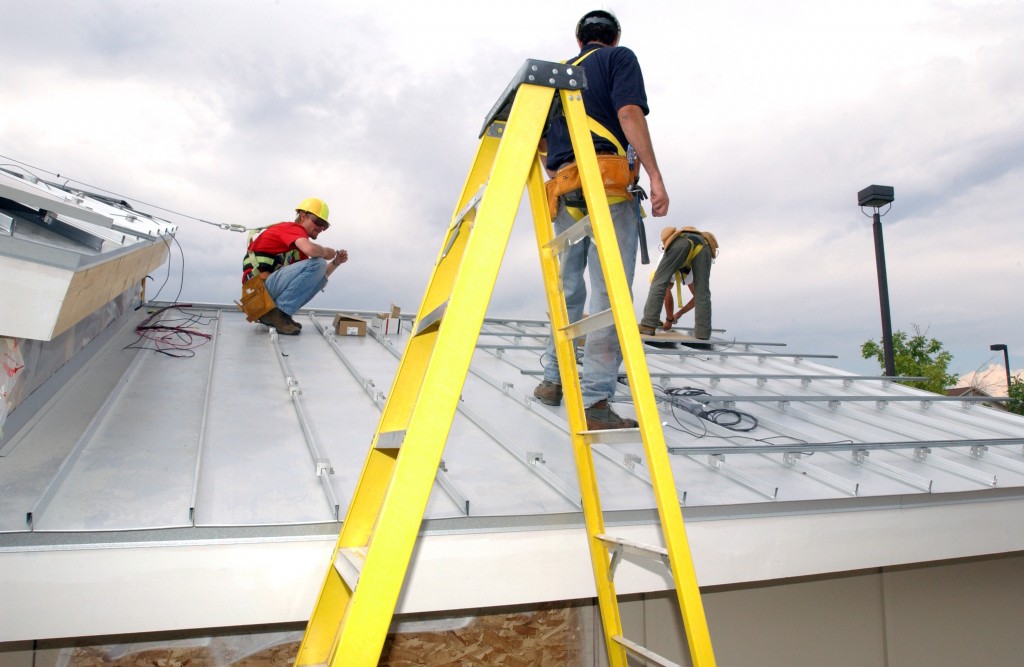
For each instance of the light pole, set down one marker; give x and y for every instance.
(1006, 362)
(877, 196)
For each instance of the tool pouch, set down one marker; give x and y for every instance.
(615, 174)
(256, 300)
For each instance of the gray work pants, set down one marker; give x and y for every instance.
(674, 259)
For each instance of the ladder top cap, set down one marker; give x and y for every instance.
(562, 76)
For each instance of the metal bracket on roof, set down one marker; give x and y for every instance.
(805, 382)
(536, 457)
(921, 454)
(761, 358)
(717, 462)
(881, 405)
(6, 225)
(784, 405)
(834, 405)
(631, 461)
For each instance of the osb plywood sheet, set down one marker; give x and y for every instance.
(548, 637)
(542, 638)
(100, 284)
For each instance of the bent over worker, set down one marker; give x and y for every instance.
(616, 105)
(688, 257)
(298, 267)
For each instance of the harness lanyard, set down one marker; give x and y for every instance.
(638, 195)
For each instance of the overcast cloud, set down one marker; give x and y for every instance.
(767, 119)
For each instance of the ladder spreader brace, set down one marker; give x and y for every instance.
(350, 621)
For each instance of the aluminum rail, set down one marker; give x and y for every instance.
(841, 446)
(322, 466)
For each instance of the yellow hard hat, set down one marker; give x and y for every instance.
(315, 206)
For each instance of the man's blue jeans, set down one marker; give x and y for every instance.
(293, 286)
(601, 354)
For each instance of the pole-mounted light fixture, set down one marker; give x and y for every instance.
(877, 196)
(996, 347)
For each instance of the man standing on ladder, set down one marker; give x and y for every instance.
(616, 105)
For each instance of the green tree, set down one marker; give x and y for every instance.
(916, 356)
(1016, 402)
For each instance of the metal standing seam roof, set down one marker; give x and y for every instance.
(258, 429)
(242, 458)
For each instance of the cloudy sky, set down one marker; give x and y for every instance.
(767, 119)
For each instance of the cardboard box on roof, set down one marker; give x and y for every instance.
(388, 323)
(349, 325)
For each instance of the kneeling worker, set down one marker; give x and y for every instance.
(298, 268)
(688, 255)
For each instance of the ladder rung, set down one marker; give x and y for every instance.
(581, 328)
(616, 436)
(634, 547)
(647, 654)
(390, 439)
(576, 233)
(430, 319)
(349, 564)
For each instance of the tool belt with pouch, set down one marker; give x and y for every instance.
(256, 300)
(615, 174)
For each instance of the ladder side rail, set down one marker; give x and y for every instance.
(320, 638)
(667, 500)
(477, 260)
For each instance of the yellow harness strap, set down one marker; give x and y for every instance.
(684, 270)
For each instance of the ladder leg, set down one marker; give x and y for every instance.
(377, 539)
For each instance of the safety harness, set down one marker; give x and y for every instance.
(254, 263)
(618, 173)
(686, 268)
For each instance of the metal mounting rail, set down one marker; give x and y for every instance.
(366, 383)
(840, 399)
(841, 446)
(684, 350)
(322, 465)
(716, 377)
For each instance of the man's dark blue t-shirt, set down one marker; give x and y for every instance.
(613, 81)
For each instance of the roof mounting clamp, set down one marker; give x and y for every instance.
(834, 405)
(631, 461)
(921, 453)
(324, 465)
(881, 405)
(536, 457)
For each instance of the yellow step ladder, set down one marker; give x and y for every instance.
(356, 604)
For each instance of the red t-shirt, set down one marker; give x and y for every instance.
(278, 242)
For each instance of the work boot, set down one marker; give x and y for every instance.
(549, 393)
(292, 320)
(600, 417)
(646, 330)
(277, 319)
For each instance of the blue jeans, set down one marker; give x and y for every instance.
(601, 354)
(293, 286)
